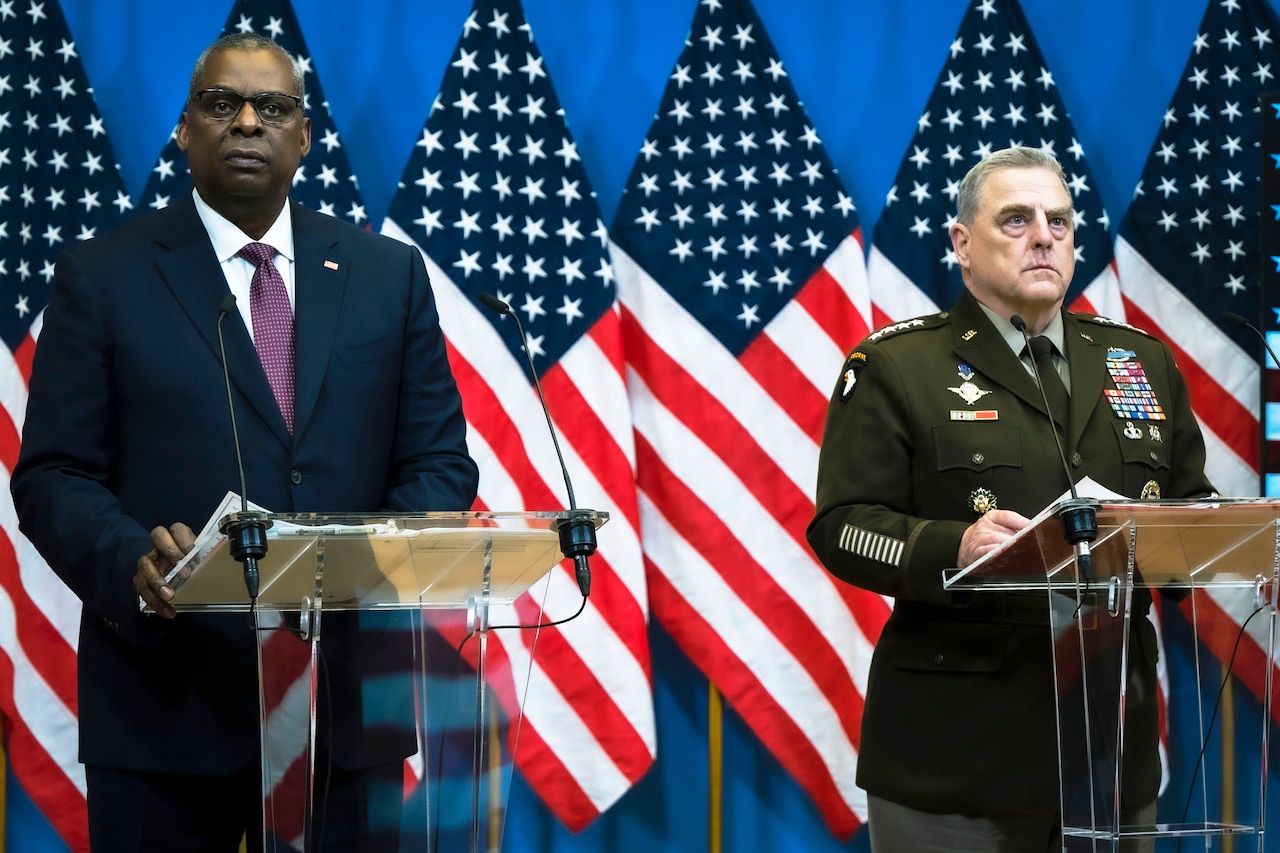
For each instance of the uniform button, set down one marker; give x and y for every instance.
(1154, 457)
(1076, 460)
(937, 660)
(295, 476)
(978, 458)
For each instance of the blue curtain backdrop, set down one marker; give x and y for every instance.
(864, 70)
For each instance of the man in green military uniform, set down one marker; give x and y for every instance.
(939, 447)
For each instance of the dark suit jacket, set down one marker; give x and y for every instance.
(959, 711)
(127, 428)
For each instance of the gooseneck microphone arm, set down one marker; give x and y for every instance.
(246, 530)
(1078, 516)
(578, 532)
(1236, 320)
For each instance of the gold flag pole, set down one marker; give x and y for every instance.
(715, 769)
(4, 794)
(495, 782)
(1228, 792)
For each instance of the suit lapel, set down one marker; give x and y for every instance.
(979, 344)
(320, 278)
(1088, 373)
(187, 262)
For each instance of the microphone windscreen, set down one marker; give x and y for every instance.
(490, 301)
(228, 305)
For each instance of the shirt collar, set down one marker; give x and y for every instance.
(228, 239)
(1055, 332)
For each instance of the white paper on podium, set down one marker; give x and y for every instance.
(209, 538)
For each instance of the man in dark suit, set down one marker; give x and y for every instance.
(128, 440)
(938, 447)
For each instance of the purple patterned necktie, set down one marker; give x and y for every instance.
(272, 325)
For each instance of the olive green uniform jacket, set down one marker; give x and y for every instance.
(960, 712)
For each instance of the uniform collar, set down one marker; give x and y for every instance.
(1014, 339)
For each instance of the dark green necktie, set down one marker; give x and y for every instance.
(1054, 390)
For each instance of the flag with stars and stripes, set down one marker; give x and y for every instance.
(1187, 246)
(59, 183)
(496, 197)
(995, 90)
(1187, 251)
(742, 280)
(324, 180)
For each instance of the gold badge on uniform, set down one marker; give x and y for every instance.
(968, 391)
(982, 500)
(1150, 492)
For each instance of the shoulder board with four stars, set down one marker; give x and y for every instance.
(1115, 324)
(930, 322)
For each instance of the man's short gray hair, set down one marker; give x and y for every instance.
(1020, 157)
(245, 41)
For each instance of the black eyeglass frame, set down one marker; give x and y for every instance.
(238, 101)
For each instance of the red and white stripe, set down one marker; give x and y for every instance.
(588, 732)
(895, 296)
(39, 627)
(727, 454)
(1223, 378)
(1222, 382)
(1218, 614)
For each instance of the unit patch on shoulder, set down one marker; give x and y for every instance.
(849, 375)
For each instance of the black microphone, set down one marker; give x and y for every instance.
(578, 532)
(1236, 320)
(1078, 516)
(246, 529)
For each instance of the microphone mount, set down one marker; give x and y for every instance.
(1236, 320)
(1078, 516)
(246, 530)
(578, 531)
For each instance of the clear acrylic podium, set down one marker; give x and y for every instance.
(1183, 550)
(376, 673)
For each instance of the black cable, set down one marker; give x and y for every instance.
(1217, 703)
(435, 843)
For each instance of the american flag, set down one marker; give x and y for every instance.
(59, 183)
(995, 90)
(1187, 247)
(1188, 250)
(742, 281)
(324, 181)
(496, 196)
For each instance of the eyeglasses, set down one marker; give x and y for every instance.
(274, 108)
